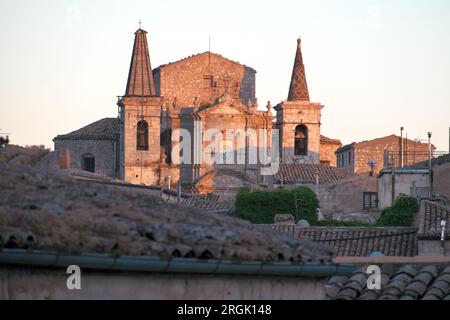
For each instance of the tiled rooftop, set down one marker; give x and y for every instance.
(364, 241)
(326, 140)
(107, 128)
(359, 242)
(48, 211)
(406, 282)
(306, 173)
(209, 203)
(429, 221)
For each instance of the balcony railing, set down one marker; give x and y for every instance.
(407, 159)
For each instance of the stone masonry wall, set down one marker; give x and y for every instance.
(328, 153)
(104, 152)
(205, 75)
(374, 150)
(289, 116)
(346, 196)
(141, 166)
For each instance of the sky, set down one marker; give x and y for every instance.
(374, 65)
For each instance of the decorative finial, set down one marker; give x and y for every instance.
(299, 41)
(140, 24)
(269, 106)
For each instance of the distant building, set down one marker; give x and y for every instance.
(328, 148)
(205, 88)
(355, 157)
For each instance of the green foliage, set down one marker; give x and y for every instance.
(262, 206)
(401, 214)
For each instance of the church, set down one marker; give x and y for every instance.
(198, 95)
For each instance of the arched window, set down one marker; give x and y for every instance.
(88, 162)
(301, 140)
(142, 135)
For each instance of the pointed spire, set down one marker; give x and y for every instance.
(298, 90)
(140, 77)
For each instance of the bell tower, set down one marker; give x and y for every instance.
(298, 119)
(140, 119)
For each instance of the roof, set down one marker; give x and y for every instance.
(306, 173)
(51, 211)
(140, 77)
(209, 203)
(298, 89)
(104, 129)
(377, 140)
(361, 242)
(429, 221)
(405, 282)
(326, 140)
(434, 162)
(200, 54)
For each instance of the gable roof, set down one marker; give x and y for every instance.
(103, 129)
(306, 173)
(201, 54)
(326, 140)
(388, 138)
(404, 282)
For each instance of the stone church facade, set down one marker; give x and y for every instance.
(200, 94)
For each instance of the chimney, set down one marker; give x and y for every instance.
(64, 159)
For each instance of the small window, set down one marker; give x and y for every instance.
(88, 162)
(301, 140)
(370, 200)
(142, 135)
(208, 82)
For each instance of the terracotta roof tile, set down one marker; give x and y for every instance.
(410, 282)
(364, 241)
(306, 173)
(104, 129)
(429, 221)
(326, 140)
(52, 211)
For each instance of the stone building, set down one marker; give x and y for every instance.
(93, 148)
(355, 157)
(328, 148)
(198, 95)
(205, 77)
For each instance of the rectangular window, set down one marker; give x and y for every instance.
(208, 82)
(370, 200)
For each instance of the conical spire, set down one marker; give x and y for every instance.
(298, 90)
(140, 77)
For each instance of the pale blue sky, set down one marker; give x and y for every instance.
(375, 65)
